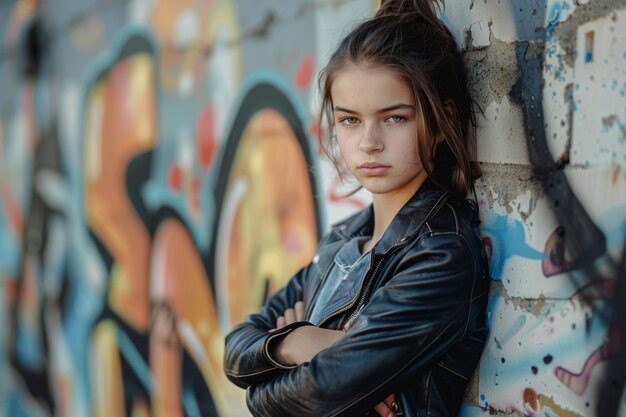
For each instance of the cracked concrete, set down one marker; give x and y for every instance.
(492, 71)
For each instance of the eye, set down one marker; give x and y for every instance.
(396, 119)
(348, 121)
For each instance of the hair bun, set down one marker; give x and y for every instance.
(425, 8)
(420, 11)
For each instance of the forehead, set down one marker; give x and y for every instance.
(369, 87)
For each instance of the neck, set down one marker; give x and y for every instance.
(387, 205)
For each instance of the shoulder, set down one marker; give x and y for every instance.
(453, 229)
(448, 246)
(454, 217)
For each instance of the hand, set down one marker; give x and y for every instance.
(291, 315)
(302, 344)
(384, 407)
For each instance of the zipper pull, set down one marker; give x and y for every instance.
(395, 407)
(352, 317)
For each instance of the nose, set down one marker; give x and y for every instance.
(371, 141)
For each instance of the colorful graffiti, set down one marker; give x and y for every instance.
(161, 176)
(555, 262)
(134, 326)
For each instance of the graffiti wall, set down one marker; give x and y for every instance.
(161, 176)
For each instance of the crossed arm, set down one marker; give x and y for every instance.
(302, 370)
(302, 344)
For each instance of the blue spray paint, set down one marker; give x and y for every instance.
(508, 240)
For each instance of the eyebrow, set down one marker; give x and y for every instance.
(400, 106)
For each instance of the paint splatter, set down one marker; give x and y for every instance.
(206, 141)
(531, 399)
(304, 73)
(175, 178)
(577, 382)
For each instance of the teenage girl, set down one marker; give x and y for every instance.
(389, 317)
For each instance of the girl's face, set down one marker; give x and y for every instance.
(376, 122)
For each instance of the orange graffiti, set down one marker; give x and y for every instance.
(120, 125)
(187, 30)
(271, 233)
(184, 316)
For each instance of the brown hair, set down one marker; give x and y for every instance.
(407, 37)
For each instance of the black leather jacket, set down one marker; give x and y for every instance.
(418, 324)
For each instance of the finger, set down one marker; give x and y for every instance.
(383, 410)
(390, 400)
(290, 316)
(280, 322)
(299, 309)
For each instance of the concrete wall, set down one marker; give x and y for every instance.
(160, 174)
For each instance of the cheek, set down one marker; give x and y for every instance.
(409, 148)
(345, 146)
(413, 158)
(416, 153)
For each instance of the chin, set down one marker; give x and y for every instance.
(386, 187)
(374, 189)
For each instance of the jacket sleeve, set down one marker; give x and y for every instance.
(245, 358)
(417, 315)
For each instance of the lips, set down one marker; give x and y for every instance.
(373, 168)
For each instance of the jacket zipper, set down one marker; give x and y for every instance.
(364, 294)
(366, 290)
(371, 274)
(442, 200)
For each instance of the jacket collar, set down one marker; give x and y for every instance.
(406, 223)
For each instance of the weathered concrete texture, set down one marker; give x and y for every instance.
(510, 21)
(534, 303)
(492, 71)
(529, 354)
(564, 33)
(516, 179)
(599, 92)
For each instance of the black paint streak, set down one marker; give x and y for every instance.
(612, 388)
(585, 242)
